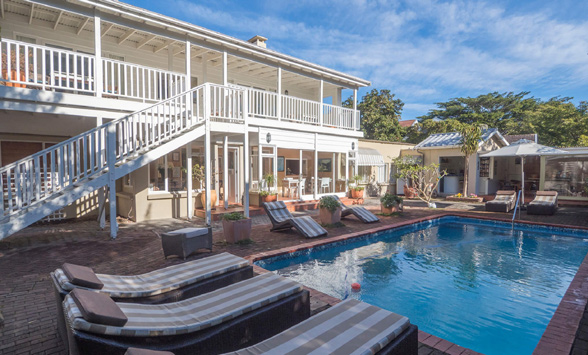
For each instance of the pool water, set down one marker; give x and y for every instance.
(478, 284)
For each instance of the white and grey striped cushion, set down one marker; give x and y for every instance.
(350, 327)
(363, 214)
(502, 199)
(308, 227)
(281, 215)
(193, 314)
(544, 200)
(275, 205)
(162, 280)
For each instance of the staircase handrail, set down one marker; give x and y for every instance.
(104, 125)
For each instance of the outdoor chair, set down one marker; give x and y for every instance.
(545, 203)
(325, 184)
(358, 211)
(282, 219)
(224, 320)
(504, 201)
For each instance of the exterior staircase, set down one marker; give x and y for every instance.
(38, 185)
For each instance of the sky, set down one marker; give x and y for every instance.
(423, 51)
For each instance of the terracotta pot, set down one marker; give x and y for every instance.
(389, 210)
(357, 194)
(328, 217)
(409, 192)
(235, 231)
(212, 199)
(269, 198)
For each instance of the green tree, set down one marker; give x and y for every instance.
(424, 178)
(559, 123)
(421, 130)
(471, 135)
(380, 113)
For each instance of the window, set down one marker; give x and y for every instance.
(26, 39)
(169, 172)
(568, 175)
(293, 167)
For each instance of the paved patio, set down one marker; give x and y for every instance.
(26, 296)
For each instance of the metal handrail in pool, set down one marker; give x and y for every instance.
(515, 209)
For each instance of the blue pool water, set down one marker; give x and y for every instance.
(476, 283)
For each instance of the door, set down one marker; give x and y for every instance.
(233, 172)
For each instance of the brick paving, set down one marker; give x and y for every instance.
(26, 297)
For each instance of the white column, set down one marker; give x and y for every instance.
(354, 123)
(334, 176)
(98, 79)
(300, 176)
(321, 106)
(207, 156)
(166, 177)
(246, 150)
(189, 180)
(279, 103)
(204, 68)
(225, 69)
(216, 176)
(188, 66)
(226, 172)
(338, 98)
(346, 168)
(102, 207)
(111, 154)
(316, 178)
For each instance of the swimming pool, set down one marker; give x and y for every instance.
(476, 283)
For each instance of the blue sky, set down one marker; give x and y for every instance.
(424, 51)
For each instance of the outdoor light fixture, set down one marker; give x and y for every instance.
(286, 92)
(268, 137)
(352, 145)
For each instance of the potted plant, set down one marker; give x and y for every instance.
(198, 174)
(390, 203)
(267, 195)
(356, 190)
(329, 210)
(236, 227)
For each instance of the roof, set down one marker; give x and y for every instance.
(369, 157)
(407, 123)
(453, 139)
(511, 138)
(120, 13)
(383, 142)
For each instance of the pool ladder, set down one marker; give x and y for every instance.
(515, 209)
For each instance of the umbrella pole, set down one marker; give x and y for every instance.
(522, 181)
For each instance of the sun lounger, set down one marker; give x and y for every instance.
(169, 284)
(224, 320)
(350, 327)
(504, 201)
(358, 211)
(282, 219)
(545, 203)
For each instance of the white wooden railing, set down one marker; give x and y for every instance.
(39, 176)
(263, 104)
(29, 65)
(339, 117)
(300, 110)
(134, 81)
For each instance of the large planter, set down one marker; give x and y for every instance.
(465, 199)
(357, 193)
(235, 231)
(409, 192)
(328, 217)
(389, 210)
(268, 198)
(212, 199)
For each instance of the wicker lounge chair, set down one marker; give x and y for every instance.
(545, 203)
(358, 211)
(504, 201)
(224, 320)
(350, 327)
(282, 219)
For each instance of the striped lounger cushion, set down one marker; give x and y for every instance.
(308, 227)
(190, 315)
(502, 199)
(350, 327)
(545, 200)
(363, 214)
(162, 280)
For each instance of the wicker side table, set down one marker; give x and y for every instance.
(183, 242)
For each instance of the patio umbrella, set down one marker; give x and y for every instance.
(523, 148)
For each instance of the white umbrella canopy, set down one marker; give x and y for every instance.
(524, 148)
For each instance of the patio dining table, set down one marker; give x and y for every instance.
(290, 183)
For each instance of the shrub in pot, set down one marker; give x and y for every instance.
(329, 210)
(356, 191)
(236, 227)
(267, 196)
(199, 175)
(390, 203)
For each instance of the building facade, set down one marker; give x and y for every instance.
(108, 108)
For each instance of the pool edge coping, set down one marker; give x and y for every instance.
(560, 333)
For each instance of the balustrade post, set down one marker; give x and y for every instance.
(354, 124)
(98, 83)
(279, 102)
(111, 160)
(321, 106)
(207, 156)
(246, 150)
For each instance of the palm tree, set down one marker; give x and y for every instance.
(471, 135)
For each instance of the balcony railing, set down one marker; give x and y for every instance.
(46, 68)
